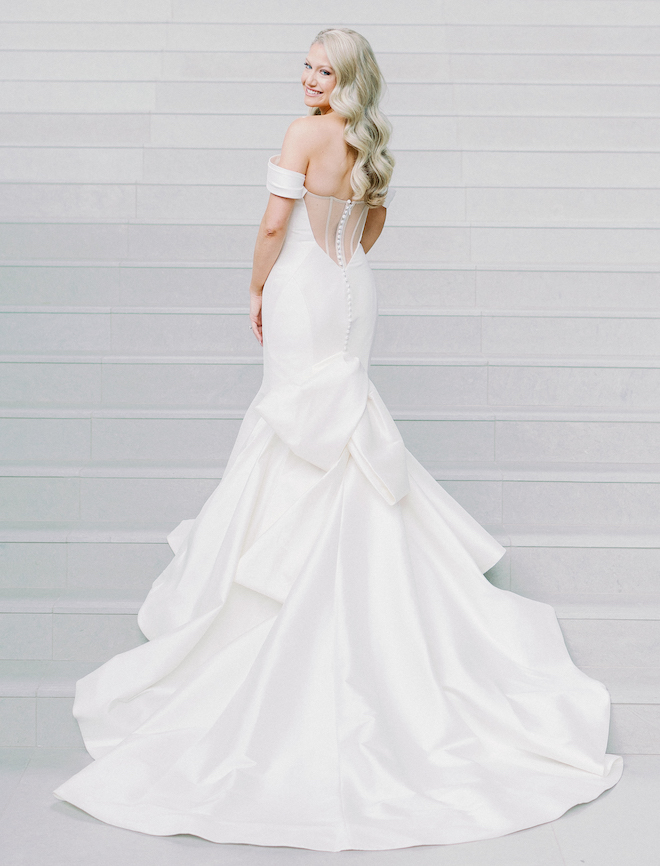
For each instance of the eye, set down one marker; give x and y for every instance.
(325, 72)
(307, 65)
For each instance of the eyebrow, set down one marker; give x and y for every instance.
(323, 66)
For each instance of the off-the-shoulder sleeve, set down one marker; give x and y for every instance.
(283, 181)
(388, 198)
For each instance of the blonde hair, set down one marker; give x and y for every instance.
(356, 97)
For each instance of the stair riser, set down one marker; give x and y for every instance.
(133, 566)
(403, 388)
(446, 132)
(204, 441)
(209, 131)
(555, 571)
(98, 637)
(593, 37)
(108, 203)
(260, 66)
(567, 387)
(287, 97)
(626, 643)
(248, 97)
(521, 13)
(452, 12)
(198, 36)
(283, 66)
(161, 501)
(230, 243)
(425, 166)
(128, 566)
(199, 335)
(48, 722)
(80, 637)
(105, 164)
(141, 500)
(432, 288)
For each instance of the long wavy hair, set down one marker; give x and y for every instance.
(356, 97)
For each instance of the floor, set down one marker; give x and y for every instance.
(621, 828)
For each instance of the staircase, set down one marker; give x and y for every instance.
(519, 339)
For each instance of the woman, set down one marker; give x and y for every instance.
(327, 667)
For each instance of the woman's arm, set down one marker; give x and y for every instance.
(270, 239)
(373, 227)
(272, 231)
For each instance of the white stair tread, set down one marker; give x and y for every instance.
(618, 362)
(94, 601)
(446, 413)
(439, 312)
(246, 264)
(58, 678)
(454, 471)
(605, 606)
(22, 679)
(84, 533)
(513, 535)
(106, 601)
(629, 685)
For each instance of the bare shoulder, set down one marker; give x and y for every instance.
(298, 144)
(299, 127)
(316, 128)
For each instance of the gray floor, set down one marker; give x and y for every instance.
(621, 828)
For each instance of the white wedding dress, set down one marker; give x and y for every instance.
(327, 666)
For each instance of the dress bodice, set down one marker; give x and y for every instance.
(337, 224)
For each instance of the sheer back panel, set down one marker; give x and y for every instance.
(337, 225)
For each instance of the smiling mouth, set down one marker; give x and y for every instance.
(310, 92)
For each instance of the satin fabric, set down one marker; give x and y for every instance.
(327, 666)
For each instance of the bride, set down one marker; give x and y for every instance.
(327, 666)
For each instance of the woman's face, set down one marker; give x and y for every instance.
(318, 79)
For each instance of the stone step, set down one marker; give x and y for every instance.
(127, 558)
(397, 67)
(404, 333)
(443, 132)
(222, 384)
(228, 205)
(593, 497)
(203, 35)
(199, 436)
(36, 699)
(440, 287)
(555, 12)
(425, 244)
(206, 11)
(94, 625)
(70, 558)
(481, 12)
(425, 166)
(285, 97)
(72, 627)
(518, 39)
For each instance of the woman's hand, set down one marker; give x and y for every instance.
(255, 314)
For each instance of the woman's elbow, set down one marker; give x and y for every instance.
(274, 230)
